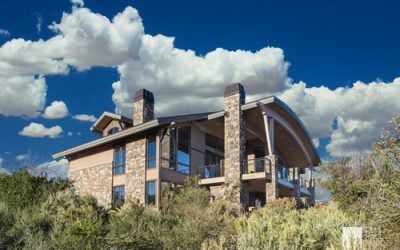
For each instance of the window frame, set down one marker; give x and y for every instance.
(118, 192)
(120, 151)
(150, 159)
(147, 192)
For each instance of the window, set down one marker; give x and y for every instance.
(214, 142)
(119, 160)
(112, 130)
(150, 192)
(151, 152)
(183, 150)
(118, 196)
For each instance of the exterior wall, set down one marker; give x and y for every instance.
(95, 181)
(99, 156)
(112, 124)
(217, 192)
(136, 170)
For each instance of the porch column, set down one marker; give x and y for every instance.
(311, 186)
(296, 185)
(269, 128)
(271, 188)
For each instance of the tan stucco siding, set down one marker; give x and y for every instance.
(91, 158)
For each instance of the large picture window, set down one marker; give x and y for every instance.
(183, 150)
(150, 192)
(119, 160)
(118, 196)
(151, 152)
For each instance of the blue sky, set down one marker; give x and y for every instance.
(334, 62)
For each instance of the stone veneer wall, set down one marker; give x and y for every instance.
(143, 112)
(136, 170)
(234, 144)
(271, 188)
(95, 181)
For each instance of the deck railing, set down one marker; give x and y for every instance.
(257, 165)
(211, 171)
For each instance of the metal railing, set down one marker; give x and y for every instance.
(257, 165)
(306, 182)
(283, 173)
(211, 171)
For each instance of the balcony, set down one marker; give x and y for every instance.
(258, 168)
(212, 174)
(306, 184)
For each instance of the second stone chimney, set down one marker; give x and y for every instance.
(143, 107)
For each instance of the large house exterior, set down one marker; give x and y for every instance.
(250, 153)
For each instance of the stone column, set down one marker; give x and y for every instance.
(143, 107)
(136, 170)
(271, 188)
(234, 142)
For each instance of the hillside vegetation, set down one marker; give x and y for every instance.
(36, 213)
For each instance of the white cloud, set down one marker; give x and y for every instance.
(22, 157)
(77, 3)
(3, 170)
(57, 109)
(172, 72)
(54, 168)
(361, 111)
(85, 118)
(39, 131)
(22, 96)
(70, 133)
(4, 32)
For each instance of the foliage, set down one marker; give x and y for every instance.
(280, 226)
(371, 185)
(21, 189)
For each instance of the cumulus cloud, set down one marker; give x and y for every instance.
(53, 169)
(4, 32)
(22, 95)
(171, 72)
(360, 111)
(82, 40)
(70, 133)
(3, 170)
(39, 131)
(57, 109)
(85, 118)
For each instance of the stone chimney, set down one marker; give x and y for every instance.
(235, 142)
(143, 107)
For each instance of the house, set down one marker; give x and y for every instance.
(251, 153)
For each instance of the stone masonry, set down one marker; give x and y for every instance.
(95, 181)
(271, 188)
(143, 107)
(136, 170)
(234, 143)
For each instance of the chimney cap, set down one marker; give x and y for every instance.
(145, 95)
(234, 89)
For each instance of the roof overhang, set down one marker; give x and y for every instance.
(105, 119)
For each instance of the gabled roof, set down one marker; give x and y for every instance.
(132, 131)
(105, 119)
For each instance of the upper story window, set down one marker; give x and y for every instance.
(182, 150)
(118, 196)
(119, 160)
(113, 130)
(215, 142)
(151, 152)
